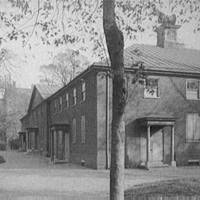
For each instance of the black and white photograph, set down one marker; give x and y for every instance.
(99, 99)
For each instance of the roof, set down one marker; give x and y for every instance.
(157, 119)
(46, 90)
(166, 59)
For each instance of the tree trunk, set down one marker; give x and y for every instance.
(115, 45)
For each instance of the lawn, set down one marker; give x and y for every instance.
(178, 187)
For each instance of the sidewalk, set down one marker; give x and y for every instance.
(24, 160)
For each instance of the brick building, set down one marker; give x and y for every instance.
(35, 124)
(161, 117)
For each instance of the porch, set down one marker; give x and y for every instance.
(155, 143)
(32, 138)
(59, 143)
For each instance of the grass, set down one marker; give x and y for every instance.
(178, 187)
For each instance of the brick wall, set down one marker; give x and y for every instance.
(172, 101)
(79, 151)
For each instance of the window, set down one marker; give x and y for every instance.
(82, 129)
(55, 106)
(60, 104)
(83, 94)
(192, 89)
(74, 96)
(151, 88)
(193, 127)
(74, 131)
(67, 100)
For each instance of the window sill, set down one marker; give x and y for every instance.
(151, 97)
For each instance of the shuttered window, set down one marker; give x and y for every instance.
(193, 127)
(83, 129)
(74, 130)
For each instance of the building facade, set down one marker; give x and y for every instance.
(162, 114)
(34, 130)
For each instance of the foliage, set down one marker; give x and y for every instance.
(7, 57)
(76, 22)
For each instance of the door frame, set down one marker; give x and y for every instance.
(54, 143)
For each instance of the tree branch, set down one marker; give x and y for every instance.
(35, 24)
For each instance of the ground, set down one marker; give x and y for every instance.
(33, 177)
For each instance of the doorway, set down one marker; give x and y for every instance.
(156, 144)
(59, 145)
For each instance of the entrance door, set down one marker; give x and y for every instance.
(32, 140)
(67, 147)
(36, 140)
(156, 145)
(60, 145)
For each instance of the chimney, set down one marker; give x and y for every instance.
(167, 36)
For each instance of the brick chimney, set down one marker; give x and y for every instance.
(167, 36)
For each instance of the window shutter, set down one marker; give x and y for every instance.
(197, 128)
(189, 127)
(193, 127)
(158, 88)
(74, 131)
(83, 129)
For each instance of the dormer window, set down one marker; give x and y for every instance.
(151, 88)
(192, 89)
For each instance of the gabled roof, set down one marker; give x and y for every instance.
(41, 92)
(166, 59)
(46, 90)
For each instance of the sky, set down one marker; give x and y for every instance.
(28, 61)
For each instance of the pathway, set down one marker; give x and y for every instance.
(32, 177)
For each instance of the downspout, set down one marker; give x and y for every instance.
(48, 137)
(107, 123)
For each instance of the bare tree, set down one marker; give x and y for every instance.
(65, 67)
